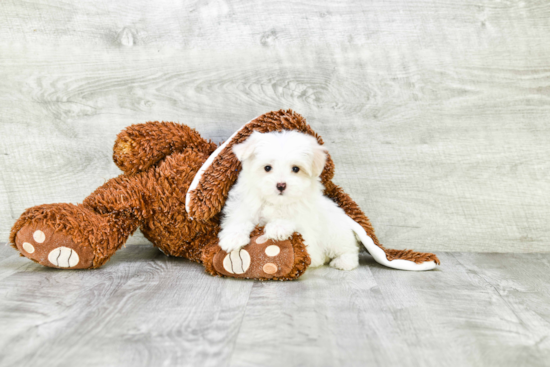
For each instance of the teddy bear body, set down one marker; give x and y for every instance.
(156, 199)
(173, 188)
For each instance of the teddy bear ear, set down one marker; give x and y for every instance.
(208, 191)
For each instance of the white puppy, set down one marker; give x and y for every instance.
(279, 188)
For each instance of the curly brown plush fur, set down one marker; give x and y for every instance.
(300, 263)
(160, 160)
(139, 147)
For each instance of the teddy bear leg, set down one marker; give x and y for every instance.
(85, 235)
(270, 260)
(65, 236)
(140, 146)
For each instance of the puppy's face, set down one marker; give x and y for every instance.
(281, 166)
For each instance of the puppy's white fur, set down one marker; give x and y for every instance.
(301, 207)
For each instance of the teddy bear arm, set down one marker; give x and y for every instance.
(140, 146)
(261, 260)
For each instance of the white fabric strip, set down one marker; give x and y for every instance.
(380, 256)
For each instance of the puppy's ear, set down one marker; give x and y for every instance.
(246, 149)
(319, 159)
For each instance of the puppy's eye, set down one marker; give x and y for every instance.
(295, 169)
(267, 168)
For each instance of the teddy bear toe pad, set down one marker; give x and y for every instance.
(257, 260)
(42, 244)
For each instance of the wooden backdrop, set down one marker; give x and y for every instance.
(437, 113)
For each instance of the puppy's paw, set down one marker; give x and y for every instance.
(345, 262)
(231, 241)
(279, 230)
(317, 259)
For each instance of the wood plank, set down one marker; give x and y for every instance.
(522, 282)
(10, 262)
(435, 112)
(327, 318)
(141, 309)
(144, 309)
(377, 316)
(455, 316)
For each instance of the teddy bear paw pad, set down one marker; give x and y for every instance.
(237, 262)
(47, 247)
(257, 260)
(63, 257)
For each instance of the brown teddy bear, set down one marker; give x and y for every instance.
(173, 188)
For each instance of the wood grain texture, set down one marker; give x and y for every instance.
(436, 113)
(145, 309)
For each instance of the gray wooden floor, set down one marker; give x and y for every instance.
(145, 309)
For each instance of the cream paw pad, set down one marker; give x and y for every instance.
(264, 260)
(47, 247)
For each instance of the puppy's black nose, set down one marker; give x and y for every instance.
(281, 186)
